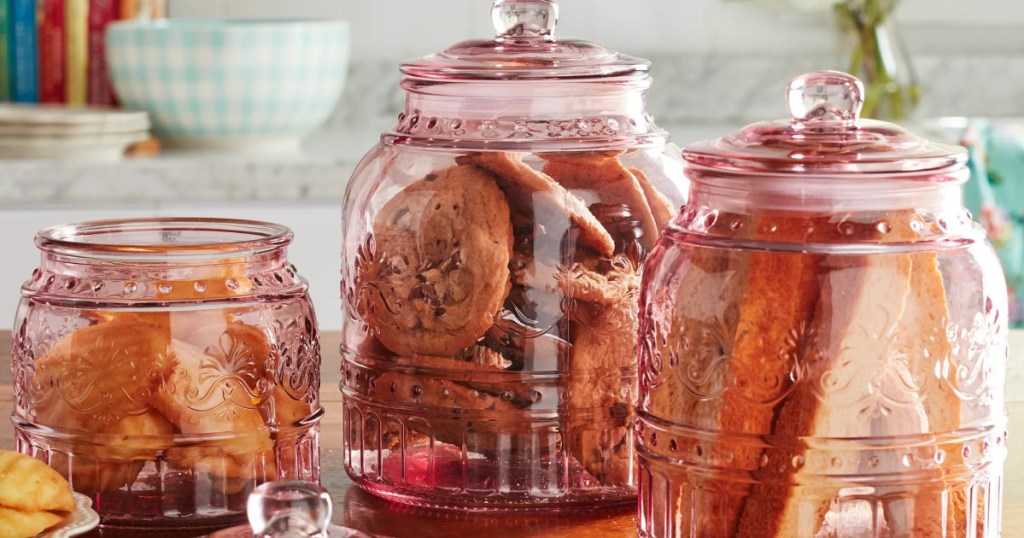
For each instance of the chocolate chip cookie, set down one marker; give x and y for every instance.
(445, 241)
(457, 410)
(552, 207)
(602, 375)
(609, 180)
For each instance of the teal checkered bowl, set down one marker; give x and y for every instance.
(251, 84)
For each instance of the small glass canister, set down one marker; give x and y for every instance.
(167, 367)
(491, 269)
(823, 337)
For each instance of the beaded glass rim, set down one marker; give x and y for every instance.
(164, 237)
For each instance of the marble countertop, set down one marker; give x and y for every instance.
(317, 172)
(694, 97)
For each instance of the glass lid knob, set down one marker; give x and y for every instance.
(525, 19)
(825, 98)
(289, 509)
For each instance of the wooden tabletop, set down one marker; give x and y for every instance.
(359, 510)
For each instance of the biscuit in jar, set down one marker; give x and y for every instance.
(601, 378)
(609, 181)
(285, 402)
(445, 241)
(538, 196)
(98, 381)
(223, 432)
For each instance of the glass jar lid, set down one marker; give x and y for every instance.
(825, 136)
(524, 48)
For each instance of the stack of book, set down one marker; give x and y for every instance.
(52, 51)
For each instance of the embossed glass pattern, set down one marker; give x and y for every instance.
(167, 367)
(822, 338)
(493, 246)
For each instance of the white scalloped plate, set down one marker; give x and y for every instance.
(100, 147)
(81, 521)
(36, 120)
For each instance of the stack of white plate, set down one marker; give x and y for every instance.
(59, 132)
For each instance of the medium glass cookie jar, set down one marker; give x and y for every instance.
(167, 367)
(493, 246)
(822, 337)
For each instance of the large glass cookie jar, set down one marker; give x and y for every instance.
(823, 337)
(492, 252)
(167, 367)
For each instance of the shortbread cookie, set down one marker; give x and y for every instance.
(205, 397)
(29, 485)
(126, 446)
(18, 524)
(445, 242)
(537, 195)
(98, 375)
(224, 334)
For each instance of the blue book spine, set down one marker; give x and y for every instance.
(5, 64)
(23, 51)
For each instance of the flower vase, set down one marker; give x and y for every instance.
(877, 55)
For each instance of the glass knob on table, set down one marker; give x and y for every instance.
(289, 509)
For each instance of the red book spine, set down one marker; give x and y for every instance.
(101, 14)
(52, 69)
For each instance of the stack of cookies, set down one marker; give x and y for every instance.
(491, 271)
(137, 381)
(787, 314)
(33, 497)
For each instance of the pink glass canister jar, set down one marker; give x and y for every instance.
(823, 337)
(167, 367)
(493, 243)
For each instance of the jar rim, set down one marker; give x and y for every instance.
(163, 237)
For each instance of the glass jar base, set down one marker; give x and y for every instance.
(463, 502)
(133, 529)
(189, 488)
(678, 500)
(466, 462)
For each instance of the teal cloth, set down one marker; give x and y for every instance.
(995, 194)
